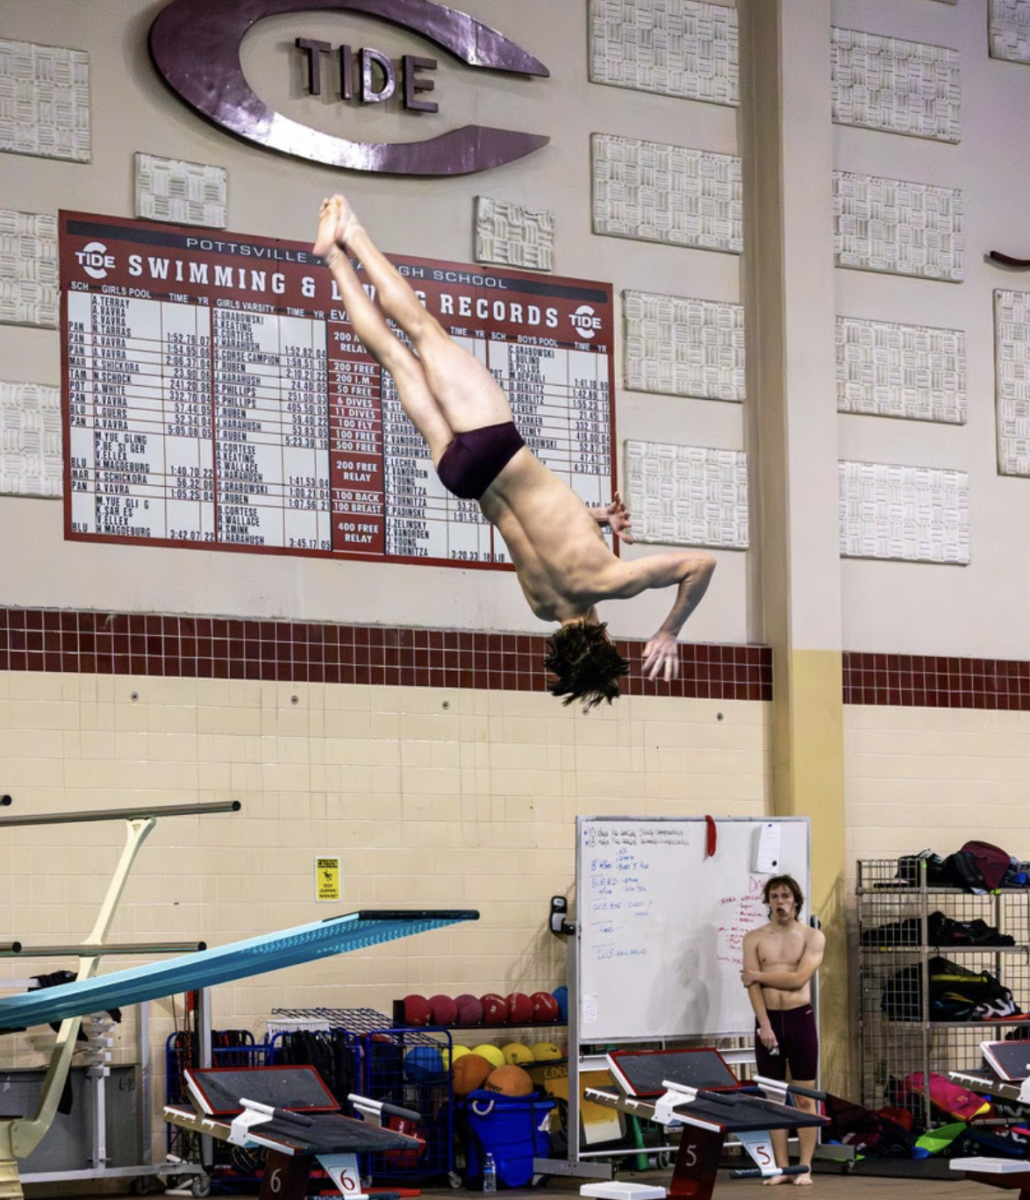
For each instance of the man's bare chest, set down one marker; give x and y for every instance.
(783, 949)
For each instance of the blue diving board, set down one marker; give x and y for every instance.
(222, 964)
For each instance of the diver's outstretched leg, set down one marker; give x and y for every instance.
(378, 339)
(465, 391)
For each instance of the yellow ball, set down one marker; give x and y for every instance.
(545, 1051)
(517, 1054)
(490, 1053)
(453, 1054)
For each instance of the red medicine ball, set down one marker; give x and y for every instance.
(445, 1010)
(520, 1009)
(545, 1007)
(495, 1009)
(417, 1010)
(470, 1011)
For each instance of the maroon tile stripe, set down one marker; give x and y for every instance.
(297, 652)
(928, 681)
(292, 651)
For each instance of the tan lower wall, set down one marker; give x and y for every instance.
(934, 777)
(472, 804)
(431, 797)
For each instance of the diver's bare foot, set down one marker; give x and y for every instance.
(325, 239)
(804, 1180)
(775, 1180)
(336, 224)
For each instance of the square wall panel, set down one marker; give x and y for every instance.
(44, 101)
(915, 514)
(182, 192)
(678, 346)
(29, 290)
(1012, 380)
(687, 495)
(897, 86)
(885, 369)
(31, 463)
(1009, 29)
(898, 227)
(513, 236)
(653, 192)
(675, 47)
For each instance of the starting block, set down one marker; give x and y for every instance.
(1009, 1079)
(289, 1112)
(623, 1191)
(1006, 1173)
(1009, 1060)
(695, 1090)
(1009, 1074)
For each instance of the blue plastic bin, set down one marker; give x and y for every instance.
(514, 1129)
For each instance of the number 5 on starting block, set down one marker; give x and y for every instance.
(759, 1146)
(342, 1169)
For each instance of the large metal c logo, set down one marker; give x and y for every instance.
(195, 45)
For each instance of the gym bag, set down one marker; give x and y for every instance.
(956, 994)
(949, 1097)
(991, 861)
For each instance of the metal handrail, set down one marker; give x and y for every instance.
(17, 949)
(124, 814)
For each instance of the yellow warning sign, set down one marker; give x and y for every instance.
(327, 879)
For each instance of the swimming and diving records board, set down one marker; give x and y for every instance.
(663, 905)
(216, 396)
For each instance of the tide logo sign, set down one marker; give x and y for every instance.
(585, 321)
(195, 45)
(94, 260)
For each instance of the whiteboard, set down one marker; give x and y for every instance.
(660, 923)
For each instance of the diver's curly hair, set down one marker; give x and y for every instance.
(587, 664)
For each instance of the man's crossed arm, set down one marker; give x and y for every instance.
(791, 981)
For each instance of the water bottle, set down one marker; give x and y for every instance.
(489, 1173)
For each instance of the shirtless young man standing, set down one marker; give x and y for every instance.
(780, 959)
(563, 565)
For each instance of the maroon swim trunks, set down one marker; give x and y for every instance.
(476, 457)
(798, 1045)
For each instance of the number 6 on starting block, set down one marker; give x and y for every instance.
(342, 1169)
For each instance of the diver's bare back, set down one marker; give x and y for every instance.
(555, 545)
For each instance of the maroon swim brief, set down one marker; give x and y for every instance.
(476, 457)
(798, 1045)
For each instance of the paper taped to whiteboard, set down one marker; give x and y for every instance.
(767, 848)
(588, 1009)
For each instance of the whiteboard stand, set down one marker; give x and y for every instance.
(574, 1164)
(669, 885)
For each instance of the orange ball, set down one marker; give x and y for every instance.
(470, 1072)
(509, 1080)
